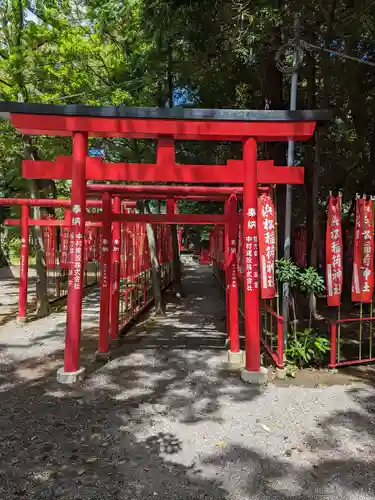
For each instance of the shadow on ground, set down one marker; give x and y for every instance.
(103, 439)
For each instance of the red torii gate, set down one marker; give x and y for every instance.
(168, 125)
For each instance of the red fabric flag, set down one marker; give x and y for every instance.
(49, 242)
(64, 247)
(267, 243)
(363, 259)
(91, 244)
(368, 252)
(357, 253)
(334, 251)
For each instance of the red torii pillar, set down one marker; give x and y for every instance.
(234, 353)
(253, 372)
(115, 273)
(72, 371)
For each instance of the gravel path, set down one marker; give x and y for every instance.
(164, 420)
(9, 280)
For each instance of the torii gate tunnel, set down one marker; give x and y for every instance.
(166, 126)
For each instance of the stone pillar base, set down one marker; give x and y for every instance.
(255, 378)
(102, 356)
(21, 321)
(235, 359)
(70, 377)
(280, 373)
(333, 371)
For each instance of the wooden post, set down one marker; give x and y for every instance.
(252, 372)
(72, 371)
(115, 272)
(24, 265)
(105, 263)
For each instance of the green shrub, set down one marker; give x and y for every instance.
(306, 348)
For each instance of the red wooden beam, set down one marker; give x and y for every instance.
(166, 218)
(167, 191)
(48, 223)
(142, 196)
(154, 128)
(97, 170)
(48, 202)
(96, 220)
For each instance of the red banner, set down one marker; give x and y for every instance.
(368, 253)
(49, 235)
(91, 253)
(334, 255)
(363, 258)
(267, 243)
(64, 247)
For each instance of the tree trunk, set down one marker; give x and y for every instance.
(316, 239)
(273, 97)
(155, 266)
(176, 264)
(43, 305)
(4, 262)
(155, 271)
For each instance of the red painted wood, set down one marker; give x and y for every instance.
(75, 281)
(48, 223)
(167, 171)
(105, 264)
(96, 220)
(172, 219)
(250, 249)
(115, 272)
(231, 273)
(154, 128)
(24, 264)
(166, 191)
(48, 202)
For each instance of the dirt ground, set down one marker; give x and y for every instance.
(165, 419)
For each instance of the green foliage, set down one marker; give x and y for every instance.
(306, 348)
(311, 282)
(305, 280)
(287, 272)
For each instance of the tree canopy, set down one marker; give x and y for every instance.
(196, 53)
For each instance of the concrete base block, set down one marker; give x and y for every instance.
(235, 359)
(280, 373)
(21, 321)
(102, 356)
(70, 377)
(255, 378)
(333, 371)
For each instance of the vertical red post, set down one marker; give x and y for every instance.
(226, 267)
(105, 264)
(280, 343)
(333, 351)
(72, 371)
(252, 372)
(232, 284)
(115, 272)
(24, 265)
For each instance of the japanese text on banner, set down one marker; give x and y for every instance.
(363, 259)
(251, 250)
(334, 252)
(267, 243)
